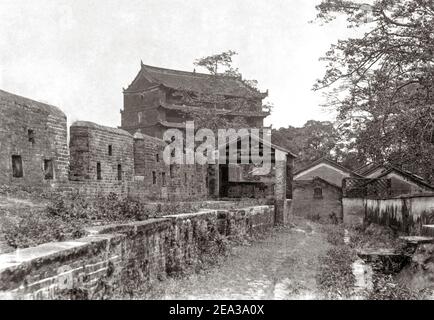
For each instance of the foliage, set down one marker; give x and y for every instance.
(213, 62)
(66, 216)
(211, 247)
(385, 287)
(314, 140)
(207, 117)
(40, 228)
(335, 277)
(381, 83)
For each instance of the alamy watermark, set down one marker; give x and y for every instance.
(246, 146)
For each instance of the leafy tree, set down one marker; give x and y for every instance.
(208, 117)
(382, 82)
(314, 140)
(213, 62)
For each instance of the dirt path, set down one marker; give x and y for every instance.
(281, 266)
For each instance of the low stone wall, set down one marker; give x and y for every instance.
(405, 213)
(118, 258)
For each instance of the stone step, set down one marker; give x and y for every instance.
(416, 240)
(428, 230)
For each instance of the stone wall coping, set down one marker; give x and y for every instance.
(99, 236)
(92, 125)
(49, 250)
(404, 196)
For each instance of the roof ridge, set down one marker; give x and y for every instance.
(328, 159)
(184, 72)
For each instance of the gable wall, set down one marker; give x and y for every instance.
(324, 171)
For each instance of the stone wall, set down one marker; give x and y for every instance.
(93, 145)
(158, 180)
(33, 139)
(116, 258)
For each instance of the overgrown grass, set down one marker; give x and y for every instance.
(61, 217)
(335, 278)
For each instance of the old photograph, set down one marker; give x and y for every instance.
(228, 150)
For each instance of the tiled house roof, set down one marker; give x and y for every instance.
(195, 82)
(411, 176)
(331, 163)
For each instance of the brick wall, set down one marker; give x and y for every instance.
(123, 256)
(37, 133)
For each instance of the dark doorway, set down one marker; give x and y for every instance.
(17, 167)
(48, 169)
(224, 180)
(98, 171)
(119, 172)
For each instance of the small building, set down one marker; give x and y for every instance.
(317, 199)
(318, 189)
(326, 169)
(401, 181)
(33, 143)
(100, 153)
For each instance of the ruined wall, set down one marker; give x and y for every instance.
(405, 213)
(33, 139)
(117, 258)
(306, 204)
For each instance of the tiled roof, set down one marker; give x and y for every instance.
(415, 178)
(185, 108)
(39, 106)
(259, 139)
(196, 82)
(330, 162)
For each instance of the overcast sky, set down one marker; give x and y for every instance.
(79, 54)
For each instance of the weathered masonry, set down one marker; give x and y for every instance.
(100, 153)
(165, 181)
(33, 147)
(105, 159)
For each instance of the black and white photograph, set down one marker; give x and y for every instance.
(216, 155)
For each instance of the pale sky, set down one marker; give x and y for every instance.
(79, 54)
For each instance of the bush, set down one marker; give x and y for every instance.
(40, 228)
(385, 287)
